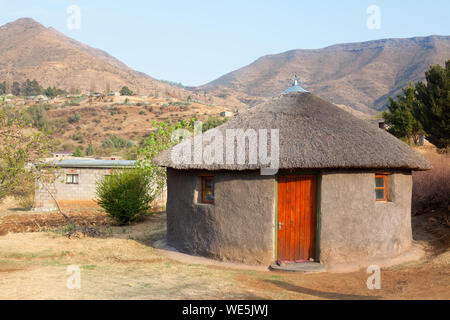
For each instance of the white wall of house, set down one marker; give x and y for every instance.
(84, 190)
(63, 190)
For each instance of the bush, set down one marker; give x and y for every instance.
(116, 142)
(431, 189)
(76, 117)
(213, 122)
(125, 195)
(38, 115)
(125, 91)
(24, 192)
(78, 152)
(77, 137)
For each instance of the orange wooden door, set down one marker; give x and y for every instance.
(297, 201)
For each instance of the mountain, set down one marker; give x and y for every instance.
(28, 50)
(359, 75)
(356, 75)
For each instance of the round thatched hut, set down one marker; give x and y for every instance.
(341, 195)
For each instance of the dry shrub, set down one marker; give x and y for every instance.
(431, 189)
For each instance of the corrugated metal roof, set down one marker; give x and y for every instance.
(295, 86)
(92, 163)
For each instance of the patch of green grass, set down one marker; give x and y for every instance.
(7, 264)
(249, 272)
(271, 277)
(64, 230)
(89, 267)
(16, 255)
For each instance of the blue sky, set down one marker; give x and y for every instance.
(196, 41)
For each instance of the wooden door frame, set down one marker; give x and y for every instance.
(318, 193)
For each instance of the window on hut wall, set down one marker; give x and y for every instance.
(381, 186)
(72, 179)
(207, 195)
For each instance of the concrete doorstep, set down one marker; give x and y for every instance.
(303, 267)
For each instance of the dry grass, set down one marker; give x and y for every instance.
(37, 222)
(431, 189)
(123, 265)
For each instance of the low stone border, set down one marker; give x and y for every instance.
(162, 247)
(415, 253)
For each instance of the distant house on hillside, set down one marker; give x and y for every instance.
(226, 114)
(62, 154)
(40, 98)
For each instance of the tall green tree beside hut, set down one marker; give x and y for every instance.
(400, 117)
(157, 141)
(423, 109)
(433, 111)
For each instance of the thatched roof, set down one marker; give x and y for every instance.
(315, 134)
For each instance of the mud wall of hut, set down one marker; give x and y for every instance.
(354, 227)
(238, 227)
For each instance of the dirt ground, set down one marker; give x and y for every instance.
(122, 264)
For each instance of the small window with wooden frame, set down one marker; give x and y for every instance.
(72, 179)
(381, 187)
(207, 189)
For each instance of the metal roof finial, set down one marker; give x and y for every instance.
(295, 81)
(295, 86)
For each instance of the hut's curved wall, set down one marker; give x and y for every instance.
(238, 227)
(354, 228)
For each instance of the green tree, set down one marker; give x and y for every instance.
(3, 87)
(433, 110)
(90, 151)
(125, 91)
(213, 122)
(157, 141)
(31, 88)
(400, 117)
(19, 147)
(38, 114)
(16, 90)
(51, 92)
(114, 141)
(78, 152)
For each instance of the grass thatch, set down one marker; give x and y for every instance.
(315, 134)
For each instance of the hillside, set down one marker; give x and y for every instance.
(359, 75)
(98, 118)
(28, 50)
